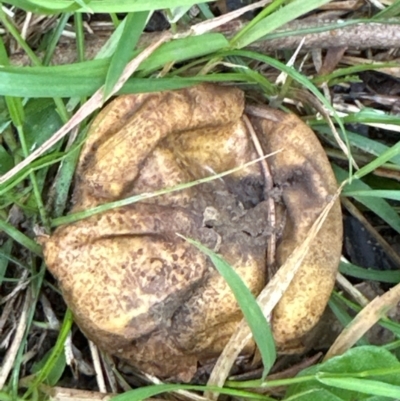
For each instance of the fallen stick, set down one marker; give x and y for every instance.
(359, 35)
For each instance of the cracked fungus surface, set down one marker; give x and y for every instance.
(142, 293)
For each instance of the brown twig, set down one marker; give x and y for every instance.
(364, 35)
(360, 35)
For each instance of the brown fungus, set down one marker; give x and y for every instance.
(145, 295)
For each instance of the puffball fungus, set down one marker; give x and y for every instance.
(144, 294)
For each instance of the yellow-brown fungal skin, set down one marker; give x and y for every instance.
(305, 175)
(137, 289)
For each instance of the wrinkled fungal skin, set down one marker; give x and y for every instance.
(144, 294)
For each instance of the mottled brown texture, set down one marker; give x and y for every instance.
(307, 182)
(137, 289)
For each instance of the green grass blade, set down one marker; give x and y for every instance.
(383, 158)
(361, 142)
(5, 252)
(22, 239)
(341, 313)
(11, 29)
(57, 368)
(80, 37)
(4, 396)
(362, 273)
(55, 37)
(184, 49)
(393, 10)
(263, 14)
(39, 8)
(36, 165)
(137, 198)
(377, 205)
(372, 116)
(354, 69)
(284, 15)
(252, 312)
(374, 193)
(315, 394)
(133, 28)
(98, 6)
(145, 393)
(364, 386)
(83, 79)
(64, 178)
(16, 111)
(54, 357)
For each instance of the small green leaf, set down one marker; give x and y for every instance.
(57, 368)
(41, 122)
(6, 161)
(356, 375)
